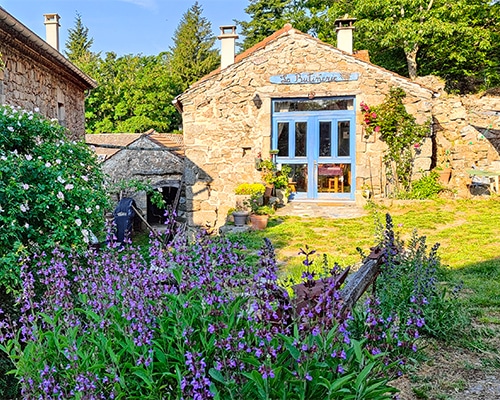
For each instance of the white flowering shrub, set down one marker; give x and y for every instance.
(50, 190)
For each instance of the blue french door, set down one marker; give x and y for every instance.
(316, 138)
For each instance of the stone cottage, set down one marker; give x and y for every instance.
(35, 75)
(292, 93)
(151, 157)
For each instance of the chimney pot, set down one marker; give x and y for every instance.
(227, 39)
(345, 27)
(52, 29)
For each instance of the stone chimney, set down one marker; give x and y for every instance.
(345, 27)
(227, 38)
(52, 30)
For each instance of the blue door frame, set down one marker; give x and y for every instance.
(323, 145)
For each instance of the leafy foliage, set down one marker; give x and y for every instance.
(135, 94)
(192, 55)
(266, 17)
(50, 189)
(400, 131)
(427, 187)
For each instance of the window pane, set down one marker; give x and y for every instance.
(325, 136)
(298, 178)
(334, 178)
(300, 139)
(344, 134)
(313, 105)
(283, 138)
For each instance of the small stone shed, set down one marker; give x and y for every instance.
(298, 95)
(36, 76)
(151, 157)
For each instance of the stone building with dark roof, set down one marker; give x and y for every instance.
(34, 75)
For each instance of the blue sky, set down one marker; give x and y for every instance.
(124, 26)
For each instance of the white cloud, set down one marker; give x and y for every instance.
(149, 4)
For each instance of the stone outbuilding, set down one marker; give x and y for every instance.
(36, 76)
(301, 96)
(153, 158)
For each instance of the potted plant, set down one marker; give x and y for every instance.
(259, 214)
(240, 215)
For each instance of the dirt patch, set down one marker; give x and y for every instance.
(455, 374)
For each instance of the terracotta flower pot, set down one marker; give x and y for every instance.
(259, 222)
(444, 176)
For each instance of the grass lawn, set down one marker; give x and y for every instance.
(469, 234)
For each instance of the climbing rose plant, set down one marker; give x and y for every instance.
(400, 131)
(50, 190)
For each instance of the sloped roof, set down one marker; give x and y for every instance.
(360, 55)
(106, 145)
(20, 34)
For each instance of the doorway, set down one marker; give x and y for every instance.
(316, 138)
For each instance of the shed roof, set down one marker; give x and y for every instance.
(25, 39)
(106, 145)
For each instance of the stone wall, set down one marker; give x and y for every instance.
(31, 83)
(224, 131)
(467, 135)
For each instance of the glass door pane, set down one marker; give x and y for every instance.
(344, 138)
(300, 139)
(334, 178)
(325, 139)
(283, 138)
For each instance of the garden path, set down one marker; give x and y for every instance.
(321, 209)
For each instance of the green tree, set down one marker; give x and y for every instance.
(134, 94)
(192, 55)
(78, 47)
(266, 17)
(458, 41)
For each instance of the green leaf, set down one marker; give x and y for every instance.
(216, 375)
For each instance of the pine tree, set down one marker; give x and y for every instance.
(193, 55)
(78, 46)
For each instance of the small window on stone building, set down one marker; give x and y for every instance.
(61, 114)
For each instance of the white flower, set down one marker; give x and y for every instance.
(3, 158)
(29, 157)
(69, 186)
(58, 161)
(60, 179)
(89, 210)
(26, 225)
(10, 128)
(60, 195)
(48, 165)
(24, 207)
(85, 178)
(30, 117)
(37, 109)
(78, 222)
(98, 207)
(77, 208)
(25, 186)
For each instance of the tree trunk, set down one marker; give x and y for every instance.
(411, 61)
